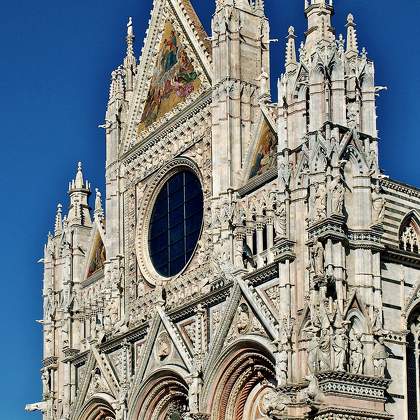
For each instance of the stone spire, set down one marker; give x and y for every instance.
(318, 13)
(259, 6)
(79, 192)
(130, 62)
(352, 46)
(291, 61)
(58, 227)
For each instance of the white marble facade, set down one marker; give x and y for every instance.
(301, 299)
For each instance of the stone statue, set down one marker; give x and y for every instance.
(380, 356)
(163, 346)
(46, 382)
(318, 259)
(313, 350)
(280, 221)
(324, 354)
(378, 205)
(320, 204)
(337, 196)
(340, 346)
(243, 320)
(356, 355)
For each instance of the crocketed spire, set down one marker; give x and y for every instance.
(352, 46)
(291, 62)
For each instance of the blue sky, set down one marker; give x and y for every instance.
(56, 60)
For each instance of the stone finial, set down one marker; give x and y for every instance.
(99, 212)
(352, 47)
(58, 227)
(291, 62)
(79, 177)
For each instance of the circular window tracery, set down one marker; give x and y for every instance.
(175, 224)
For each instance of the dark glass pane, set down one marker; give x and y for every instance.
(177, 265)
(161, 205)
(176, 223)
(177, 233)
(176, 183)
(159, 226)
(177, 249)
(176, 217)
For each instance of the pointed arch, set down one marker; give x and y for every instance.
(242, 374)
(163, 393)
(409, 233)
(99, 407)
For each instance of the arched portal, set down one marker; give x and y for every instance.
(98, 409)
(164, 396)
(237, 385)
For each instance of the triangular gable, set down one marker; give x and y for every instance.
(245, 315)
(262, 154)
(163, 346)
(96, 256)
(174, 71)
(174, 79)
(98, 379)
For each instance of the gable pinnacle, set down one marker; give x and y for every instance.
(58, 228)
(291, 62)
(130, 37)
(130, 61)
(352, 47)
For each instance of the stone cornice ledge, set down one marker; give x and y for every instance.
(394, 254)
(262, 275)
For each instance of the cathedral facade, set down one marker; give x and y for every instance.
(248, 260)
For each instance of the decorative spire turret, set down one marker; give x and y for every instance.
(130, 62)
(79, 192)
(291, 61)
(352, 46)
(318, 13)
(58, 228)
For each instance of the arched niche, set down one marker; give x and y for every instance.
(409, 233)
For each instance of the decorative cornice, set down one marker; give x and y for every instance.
(262, 275)
(401, 187)
(50, 362)
(397, 255)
